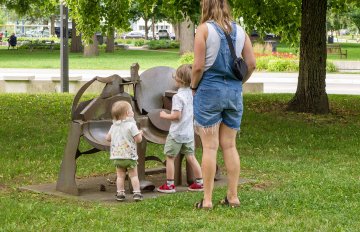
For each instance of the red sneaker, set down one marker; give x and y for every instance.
(166, 188)
(195, 187)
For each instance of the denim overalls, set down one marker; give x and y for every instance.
(219, 95)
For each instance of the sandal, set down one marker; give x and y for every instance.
(137, 196)
(199, 205)
(226, 202)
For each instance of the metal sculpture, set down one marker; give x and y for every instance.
(91, 120)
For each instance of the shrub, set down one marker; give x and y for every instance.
(174, 44)
(262, 62)
(37, 44)
(187, 58)
(102, 46)
(120, 41)
(283, 65)
(140, 42)
(330, 67)
(163, 44)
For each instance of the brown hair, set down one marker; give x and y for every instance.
(217, 10)
(119, 110)
(183, 74)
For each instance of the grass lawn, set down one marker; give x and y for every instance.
(120, 59)
(353, 50)
(305, 167)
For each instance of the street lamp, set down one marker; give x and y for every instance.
(64, 48)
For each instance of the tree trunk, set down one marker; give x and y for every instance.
(92, 49)
(187, 30)
(110, 42)
(176, 27)
(311, 95)
(146, 28)
(46, 23)
(76, 45)
(153, 27)
(52, 25)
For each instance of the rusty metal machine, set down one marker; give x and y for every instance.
(91, 120)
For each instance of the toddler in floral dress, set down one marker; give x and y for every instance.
(123, 136)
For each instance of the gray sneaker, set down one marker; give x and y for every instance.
(120, 196)
(138, 197)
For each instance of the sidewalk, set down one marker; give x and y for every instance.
(272, 82)
(47, 74)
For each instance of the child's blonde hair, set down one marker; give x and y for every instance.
(183, 74)
(119, 110)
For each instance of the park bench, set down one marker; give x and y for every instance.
(47, 44)
(336, 49)
(121, 46)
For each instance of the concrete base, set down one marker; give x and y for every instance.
(347, 65)
(90, 188)
(44, 86)
(253, 87)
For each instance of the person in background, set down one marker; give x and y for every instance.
(12, 41)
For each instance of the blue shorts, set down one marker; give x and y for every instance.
(216, 104)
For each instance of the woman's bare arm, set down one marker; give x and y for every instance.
(249, 57)
(199, 54)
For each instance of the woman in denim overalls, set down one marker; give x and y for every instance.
(217, 93)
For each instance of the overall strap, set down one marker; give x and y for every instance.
(231, 45)
(217, 28)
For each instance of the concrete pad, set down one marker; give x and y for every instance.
(17, 78)
(90, 188)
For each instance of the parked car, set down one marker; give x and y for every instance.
(134, 35)
(163, 34)
(172, 36)
(57, 32)
(254, 35)
(151, 37)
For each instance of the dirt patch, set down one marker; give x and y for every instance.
(2, 187)
(267, 107)
(101, 189)
(262, 186)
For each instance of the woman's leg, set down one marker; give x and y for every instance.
(227, 137)
(210, 143)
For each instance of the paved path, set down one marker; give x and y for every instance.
(287, 82)
(273, 82)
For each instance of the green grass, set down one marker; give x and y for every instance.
(353, 50)
(305, 167)
(120, 59)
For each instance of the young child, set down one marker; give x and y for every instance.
(181, 133)
(123, 136)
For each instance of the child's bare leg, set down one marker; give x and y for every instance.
(120, 179)
(133, 174)
(170, 169)
(194, 164)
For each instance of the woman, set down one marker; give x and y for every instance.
(217, 93)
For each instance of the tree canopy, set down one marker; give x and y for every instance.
(98, 15)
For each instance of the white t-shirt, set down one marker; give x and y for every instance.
(182, 131)
(123, 145)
